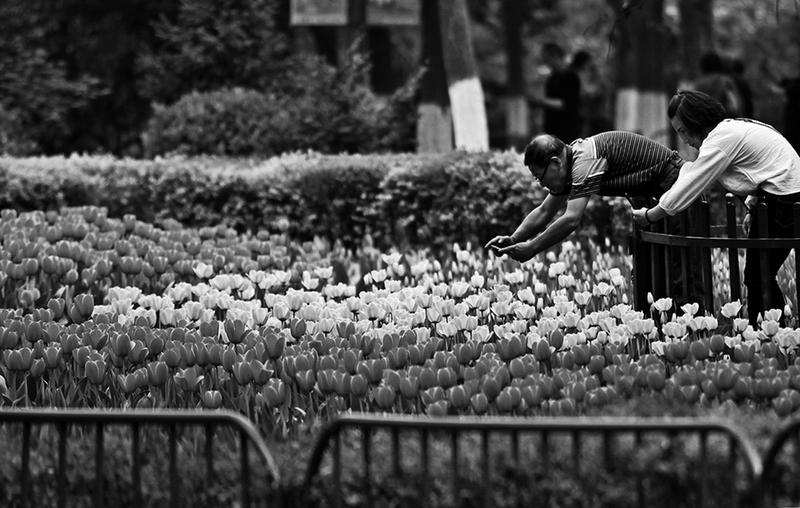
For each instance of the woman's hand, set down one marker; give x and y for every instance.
(640, 216)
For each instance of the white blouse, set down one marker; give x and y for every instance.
(743, 155)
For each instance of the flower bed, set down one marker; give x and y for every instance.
(104, 312)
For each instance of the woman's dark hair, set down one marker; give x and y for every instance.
(697, 111)
(541, 149)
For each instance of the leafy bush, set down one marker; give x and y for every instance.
(399, 200)
(325, 109)
(13, 140)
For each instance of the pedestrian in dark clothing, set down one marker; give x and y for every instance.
(791, 112)
(743, 87)
(562, 90)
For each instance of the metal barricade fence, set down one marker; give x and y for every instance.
(371, 460)
(778, 484)
(139, 422)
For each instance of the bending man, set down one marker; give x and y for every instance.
(614, 163)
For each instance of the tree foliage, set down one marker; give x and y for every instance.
(213, 44)
(37, 91)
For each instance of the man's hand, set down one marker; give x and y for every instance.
(639, 216)
(499, 242)
(521, 252)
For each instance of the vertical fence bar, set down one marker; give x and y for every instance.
(642, 280)
(62, 465)
(173, 465)
(486, 477)
(517, 468)
(703, 467)
(763, 256)
(136, 460)
(640, 501)
(423, 442)
(99, 455)
(732, 467)
(454, 464)
(662, 286)
(608, 453)
(704, 229)
(337, 470)
(733, 253)
(24, 472)
(796, 217)
(208, 452)
(397, 469)
(683, 252)
(795, 487)
(245, 468)
(366, 448)
(546, 461)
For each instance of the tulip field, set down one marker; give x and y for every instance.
(100, 312)
(103, 312)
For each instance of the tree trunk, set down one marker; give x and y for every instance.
(470, 125)
(697, 34)
(641, 88)
(434, 131)
(517, 124)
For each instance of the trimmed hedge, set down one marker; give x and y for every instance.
(398, 200)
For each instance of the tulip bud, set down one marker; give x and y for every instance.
(212, 399)
(157, 373)
(699, 350)
(52, 357)
(235, 330)
(275, 393)
(385, 397)
(358, 385)
(479, 403)
(95, 371)
(129, 383)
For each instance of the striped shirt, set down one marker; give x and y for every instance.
(621, 163)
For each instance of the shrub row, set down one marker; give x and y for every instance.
(398, 200)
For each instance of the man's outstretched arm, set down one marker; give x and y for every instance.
(555, 233)
(532, 224)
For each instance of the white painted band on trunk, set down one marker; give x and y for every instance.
(469, 114)
(517, 114)
(644, 112)
(434, 129)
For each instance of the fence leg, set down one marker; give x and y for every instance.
(733, 253)
(642, 270)
(763, 256)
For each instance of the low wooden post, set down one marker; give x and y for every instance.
(733, 252)
(763, 254)
(642, 269)
(704, 229)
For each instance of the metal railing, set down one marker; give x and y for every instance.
(363, 457)
(138, 421)
(778, 484)
(660, 256)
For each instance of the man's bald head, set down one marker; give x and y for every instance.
(541, 149)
